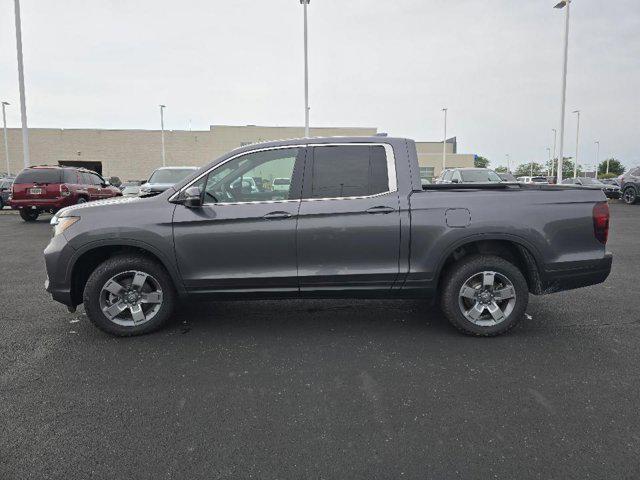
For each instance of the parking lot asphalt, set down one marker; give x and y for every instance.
(321, 389)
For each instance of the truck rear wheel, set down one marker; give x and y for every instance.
(29, 215)
(484, 295)
(129, 295)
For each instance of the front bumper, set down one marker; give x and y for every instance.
(57, 256)
(615, 194)
(577, 274)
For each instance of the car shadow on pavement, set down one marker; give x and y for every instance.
(313, 316)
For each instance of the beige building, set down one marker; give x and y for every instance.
(134, 154)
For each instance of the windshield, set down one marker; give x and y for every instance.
(479, 176)
(590, 181)
(39, 175)
(170, 175)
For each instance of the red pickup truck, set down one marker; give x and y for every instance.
(50, 188)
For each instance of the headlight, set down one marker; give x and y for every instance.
(60, 224)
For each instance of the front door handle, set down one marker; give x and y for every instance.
(380, 209)
(277, 215)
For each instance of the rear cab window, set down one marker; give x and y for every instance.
(339, 171)
(39, 175)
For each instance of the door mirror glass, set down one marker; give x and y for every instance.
(455, 180)
(192, 197)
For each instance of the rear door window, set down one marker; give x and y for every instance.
(39, 175)
(348, 171)
(70, 176)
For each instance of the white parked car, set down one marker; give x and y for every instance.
(281, 184)
(532, 180)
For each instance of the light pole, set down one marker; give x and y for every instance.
(23, 101)
(6, 140)
(550, 162)
(164, 159)
(444, 141)
(563, 4)
(304, 4)
(597, 142)
(508, 163)
(553, 160)
(575, 165)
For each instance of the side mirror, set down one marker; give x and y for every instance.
(105, 184)
(192, 197)
(455, 180)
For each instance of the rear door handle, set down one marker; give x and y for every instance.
(277, 215)
(380, 209)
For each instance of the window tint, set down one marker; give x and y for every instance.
(39, 175)
(348, 171)
(447, 175)
(70, 176)
(252, 178)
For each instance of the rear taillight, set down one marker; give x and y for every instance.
(601, 222)
(64, 190)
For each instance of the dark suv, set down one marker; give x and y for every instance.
(5, 191)
(50, 188)
(630, 186)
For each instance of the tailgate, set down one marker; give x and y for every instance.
(35, 191)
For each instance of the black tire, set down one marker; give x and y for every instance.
(29, 215)
(464, 270)
(115, 266)
(81, 200)
(630, 196)
(1, 204)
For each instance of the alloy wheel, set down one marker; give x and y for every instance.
(629, 196)
(131, 298)
(487, 298)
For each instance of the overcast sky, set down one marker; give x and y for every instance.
(495, 64)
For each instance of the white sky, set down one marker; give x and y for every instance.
(388, 64)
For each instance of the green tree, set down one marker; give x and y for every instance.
(480, 162)
(524, 170)
(567, 168)
(615, 167)
(500, 169)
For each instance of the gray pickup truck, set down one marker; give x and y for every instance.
(353, 221)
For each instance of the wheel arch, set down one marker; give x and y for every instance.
(514, 249)
(87, 259)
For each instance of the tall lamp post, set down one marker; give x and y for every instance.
(23, 101)
(508, 163)
(597, 142)
(550, 162)
(563, 4)
(444, 141)
(575, 165)
(164, 158)
(304, 4)
(553, 160)
(6, 140)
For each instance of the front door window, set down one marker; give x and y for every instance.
(255, 177)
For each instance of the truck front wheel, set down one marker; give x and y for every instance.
(484, 295)
(129, 295)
